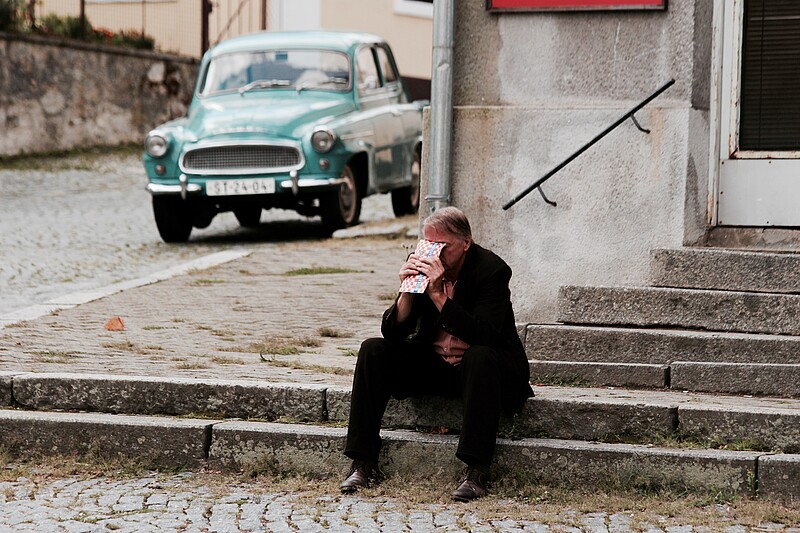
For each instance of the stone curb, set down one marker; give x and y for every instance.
(288, 448)
(745, 312)
(153, 441)
(734, 270)
(779, 477)
(560, 419)
(763, 428)
(635, 375)
(580, 417)
(169, 396)
(733, 378)
(548, 342)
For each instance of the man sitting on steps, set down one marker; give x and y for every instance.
(457, 339)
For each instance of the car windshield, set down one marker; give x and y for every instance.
(281, 69)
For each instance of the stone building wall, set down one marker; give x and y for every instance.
(530, 89)
(58, 95)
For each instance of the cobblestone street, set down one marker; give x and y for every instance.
(294, 309)
(193, 502)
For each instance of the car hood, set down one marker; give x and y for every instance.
(274, 115)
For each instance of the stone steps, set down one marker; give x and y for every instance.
(575, 413)
(316, 451)
(554, 438)
(733, 363)
(730, 270)
(553, 342)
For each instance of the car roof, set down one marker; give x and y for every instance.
(335, 40)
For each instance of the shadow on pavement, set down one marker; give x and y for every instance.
(277, 231)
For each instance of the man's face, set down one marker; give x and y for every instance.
(455, 249)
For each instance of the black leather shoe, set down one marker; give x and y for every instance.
(362, 475)
(473, 487)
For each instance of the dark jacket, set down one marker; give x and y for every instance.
(480, 314)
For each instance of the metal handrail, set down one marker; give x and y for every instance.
(537, 184)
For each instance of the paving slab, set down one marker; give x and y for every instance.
(779, 477)
(767, 428)
(150, 440)
(746, 312)
(170, 396)
(735, 378)
(733, 270)
(580, 373)
(549, 342)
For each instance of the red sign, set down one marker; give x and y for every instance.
(572, 5)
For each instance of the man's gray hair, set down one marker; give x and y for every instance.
(450, 220)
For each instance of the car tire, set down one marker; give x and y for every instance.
(173, 219)
(342, 208)
(248, 217)
(405, 201)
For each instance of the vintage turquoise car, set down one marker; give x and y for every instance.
(308, 121)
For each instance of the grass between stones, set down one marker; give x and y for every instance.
(321, 270)
(506, 501)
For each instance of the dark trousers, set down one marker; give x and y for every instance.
(401, 369)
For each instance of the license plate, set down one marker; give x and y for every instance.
(240, 187)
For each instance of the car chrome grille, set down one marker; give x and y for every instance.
(242, 158)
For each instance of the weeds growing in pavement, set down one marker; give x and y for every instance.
(333, 333)
(321, 270)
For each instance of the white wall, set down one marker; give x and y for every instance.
(289, 15)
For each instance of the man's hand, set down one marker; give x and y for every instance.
(432, 267)
(406, 299)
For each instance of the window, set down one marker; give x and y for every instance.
(414, 8)
(387, 69)
(367, 71)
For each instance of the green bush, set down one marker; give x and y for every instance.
(65, 26)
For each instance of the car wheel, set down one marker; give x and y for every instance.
(405, 201)
(248, 217)
(342, 208)
(173, 219)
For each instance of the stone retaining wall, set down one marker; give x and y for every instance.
(59, 94)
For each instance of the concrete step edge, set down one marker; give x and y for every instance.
(747, 312)
(763, 379)
(567, 342)
(287, 448)
(724, 269)
(560, 412)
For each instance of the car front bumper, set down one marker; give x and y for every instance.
(294, 185)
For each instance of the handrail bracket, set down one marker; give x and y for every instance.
(639, 126)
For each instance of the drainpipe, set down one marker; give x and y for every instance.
(441, 117)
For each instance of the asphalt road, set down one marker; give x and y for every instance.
(70, 230)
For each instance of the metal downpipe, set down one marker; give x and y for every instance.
(441, 127)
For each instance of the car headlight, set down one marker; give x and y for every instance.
(156, 144)
(322, 140)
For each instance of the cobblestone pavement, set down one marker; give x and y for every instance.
(190, 502)
(68, 230)
(295, 309)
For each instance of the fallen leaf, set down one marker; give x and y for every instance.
(115, 324)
